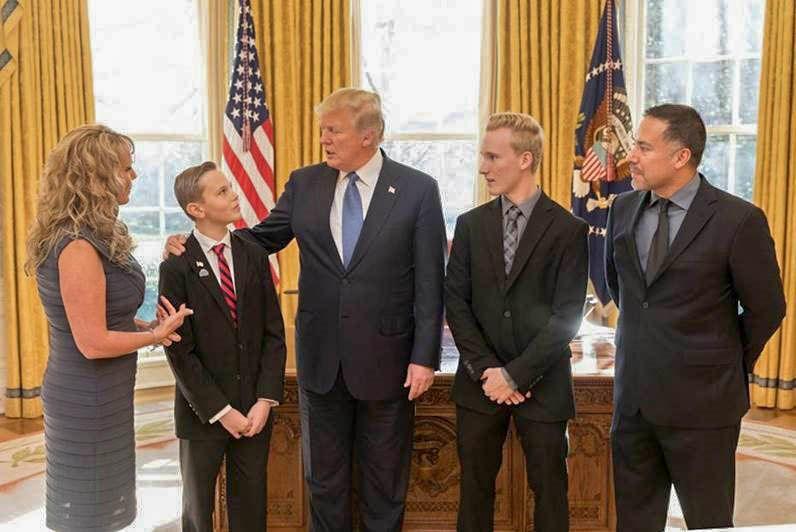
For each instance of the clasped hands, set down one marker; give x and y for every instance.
(498, 389)
(249, 425)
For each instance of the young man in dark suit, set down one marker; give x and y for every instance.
(694, 273)
(515, 289)
(372, 243)
(230, 363)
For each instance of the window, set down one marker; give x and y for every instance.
(423, 59)
(148, 84)
(707, 54)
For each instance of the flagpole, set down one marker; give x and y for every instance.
(610, 169)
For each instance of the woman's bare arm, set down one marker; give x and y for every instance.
(82, 283)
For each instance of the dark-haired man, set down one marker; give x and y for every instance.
(695, 276)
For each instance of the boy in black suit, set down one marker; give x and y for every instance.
(515, 288)
(230, 362)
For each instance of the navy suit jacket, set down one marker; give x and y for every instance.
(683, 349)
(385, 310)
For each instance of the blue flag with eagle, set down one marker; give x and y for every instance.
(602, 143)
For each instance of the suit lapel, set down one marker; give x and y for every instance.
(630, 237)
(324, 199)
(199, 263)
(385, 192)
(700, 211)
(536, 227)
(493, 236)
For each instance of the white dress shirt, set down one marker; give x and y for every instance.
(368, 176)
(207, 244)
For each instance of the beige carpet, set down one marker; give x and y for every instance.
(765, 494)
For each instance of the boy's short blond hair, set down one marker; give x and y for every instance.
(526, 134)
(364, 105)
(186, 185)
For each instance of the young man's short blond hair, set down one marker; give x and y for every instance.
(526, 134)
(364, 105)
(186, 185)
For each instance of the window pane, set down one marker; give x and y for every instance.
(147, 65)
(745, 146)
(665, 83)
(147, 162)
(750, 90)
(708, 39)
(666, 28)
(147, 252)
(753, 25)
(423, 58)
(452, 163)
(716, 160)
(177, 157)
(712, 94)
(421, 154)
(178, 222)
(457, 182)
(142, 224)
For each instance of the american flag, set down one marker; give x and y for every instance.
(248, 151)
(593, 168)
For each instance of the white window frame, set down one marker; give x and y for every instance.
(634, 49)
(356, 79)
(153, 368)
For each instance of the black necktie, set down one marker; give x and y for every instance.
(660, 241)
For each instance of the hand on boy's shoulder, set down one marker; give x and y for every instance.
(175, 245)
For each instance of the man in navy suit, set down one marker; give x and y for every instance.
(372, 243)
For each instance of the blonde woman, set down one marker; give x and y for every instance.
(91, 287)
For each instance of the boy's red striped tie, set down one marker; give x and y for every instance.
(227, 286)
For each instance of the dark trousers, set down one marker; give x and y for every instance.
(334, 427)
(480, 438)
(247, 481)
(649, 458)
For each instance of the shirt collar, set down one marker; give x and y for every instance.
(684, 196)
(526, 207)
(207, 243)
(369, 172)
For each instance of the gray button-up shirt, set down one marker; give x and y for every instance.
(648, 221)
(526, 208)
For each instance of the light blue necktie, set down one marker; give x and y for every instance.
(352, 217)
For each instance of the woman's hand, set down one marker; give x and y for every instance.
(149, 326)
(169, 320)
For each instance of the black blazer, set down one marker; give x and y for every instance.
(215, 363)
(683, 350)
(385, 310)
(526, 322)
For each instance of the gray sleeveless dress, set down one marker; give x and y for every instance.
(88, 408)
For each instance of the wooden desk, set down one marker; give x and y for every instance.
(433, 496)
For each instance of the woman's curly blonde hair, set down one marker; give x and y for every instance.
(79, 189)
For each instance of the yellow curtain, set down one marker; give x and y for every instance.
(542, 50)
(304, 48)
(214, 25)
(10, 14)
(49, 93)
(775, 192)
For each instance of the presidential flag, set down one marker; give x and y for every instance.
(602, 143)
(248, 150)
